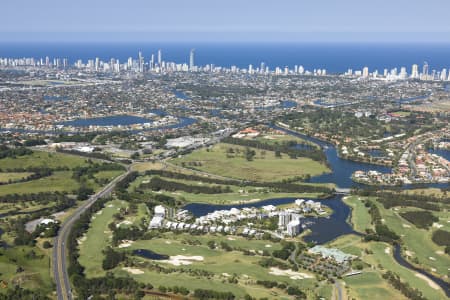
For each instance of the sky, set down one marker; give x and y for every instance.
(214, 20)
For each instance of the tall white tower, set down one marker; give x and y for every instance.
(192, 60)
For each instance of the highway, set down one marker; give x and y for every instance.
(59, 262)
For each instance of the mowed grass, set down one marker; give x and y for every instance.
(262, 168)
(217, 261)
(97, 238)
(360, 217)
(36, 271)
(59, 181)
(42, 159)
(380, 260)
(13, 176)
(417, 241)
(370, 285)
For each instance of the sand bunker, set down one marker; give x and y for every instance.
(440, 252)
(126, 222)
(181, 260)
(292, 274)
(387, 250)
(231, 239)
(99, 212)
(431, 258)
(110, 205)
(409, 253)
(81, 239)
(125, 244)
(268, 246)
(437, 225)
(133, 271)
(406, 226)
(430, 282)
(168, 242)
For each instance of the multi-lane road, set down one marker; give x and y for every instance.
(60, 273)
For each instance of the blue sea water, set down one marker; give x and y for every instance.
(335, 57)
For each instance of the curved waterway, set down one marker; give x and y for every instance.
(324, 229)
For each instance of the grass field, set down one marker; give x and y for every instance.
(35, 273)
(58, 181)
(97, 238)
(263, 167)
(360, 217)
(42, 159)
(380, 259)
(418, 242)
(13, 176)
(223, 264)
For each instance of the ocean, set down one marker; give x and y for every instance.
(334, 57)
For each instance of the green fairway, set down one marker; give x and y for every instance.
(360, 218)
(221, 263)
(60, 181)
(13, 176)
(418, 242)
(42, 159)
(97, 238)
(370, 285)
(265, 167)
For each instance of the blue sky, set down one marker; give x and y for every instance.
(346, 20)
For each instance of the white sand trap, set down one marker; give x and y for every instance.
(437, 225)
(81, 240)
(387, 250)
(110, 205)
(133, 271)
(181, 260)
(99, 212)
(430, 282)
(168, 242)
(93, 218)
(291, 274)
(231, 239)
(440, 252)
(406, 226)
(126, 222)
(268, 246)
(431, 258)
(226, 274)
(125, 244)
(409, 253)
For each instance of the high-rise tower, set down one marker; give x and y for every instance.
(192, 60)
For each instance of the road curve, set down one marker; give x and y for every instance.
(60, 273)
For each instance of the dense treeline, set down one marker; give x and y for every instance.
(285, 187)
(442, 238)
(211, 294)
(95, 286)
(285, 147)
(112, 258)
(403, 287)
(97, 155)
(38, 173)
(382, 232)
(22, 294)
(157, 184)
(391, 198)
(5, 152)
(93, 168)
(76, 138)
(41, 198)
(422, 219)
